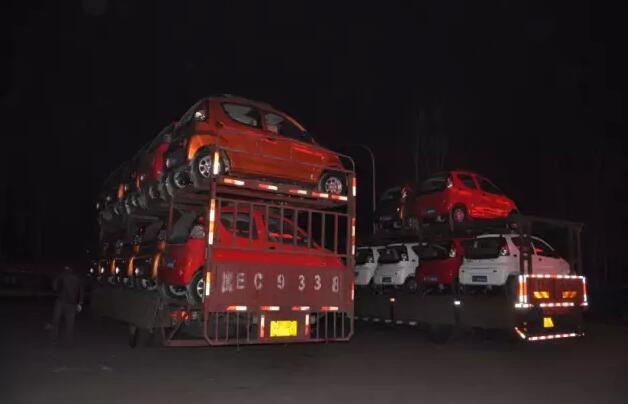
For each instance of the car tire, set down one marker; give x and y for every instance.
(196, 289)
(410, 285)
(201, 169)
(180, 178)
(148, 284)
(173, 292)
(333, 183)
(153, 192)
(459, 215)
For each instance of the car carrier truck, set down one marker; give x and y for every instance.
(534, 307)
(284, 276)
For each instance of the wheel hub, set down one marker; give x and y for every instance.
(205, 166)
(333, 185)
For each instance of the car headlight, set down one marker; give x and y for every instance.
(137, 271)
(91, 270)
(117, 270)
(102, 270)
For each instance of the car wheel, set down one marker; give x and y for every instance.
(180, 179)
(202, 167)
(153, 192)
(196, 288)
(410, 285)
(173, 291)
(459, 214)
(332, 183)
(148, 284)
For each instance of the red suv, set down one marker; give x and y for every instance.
(439, 262)
(181, 265)
(462, 194)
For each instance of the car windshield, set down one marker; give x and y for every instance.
(392, 254)
(434, 184)
(482, 248)
(363, 255)
(434, 251)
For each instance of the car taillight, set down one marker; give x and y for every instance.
(503, 248)
(197, 232)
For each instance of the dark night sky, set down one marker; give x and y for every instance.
(530, 94)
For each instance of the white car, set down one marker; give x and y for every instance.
(490, 259)
(396, 266)
(365, 264)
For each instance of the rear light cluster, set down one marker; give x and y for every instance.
(504, 251)
(452, 252)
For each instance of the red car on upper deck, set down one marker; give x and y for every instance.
(255, 140)
(460, 196)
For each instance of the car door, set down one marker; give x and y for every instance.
(241, 132)
(469, 194)
(275, 148)
(493, 202)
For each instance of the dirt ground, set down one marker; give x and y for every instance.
(382, 364)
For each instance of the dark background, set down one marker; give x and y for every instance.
(528, 93)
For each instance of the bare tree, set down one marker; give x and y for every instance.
(431, 143)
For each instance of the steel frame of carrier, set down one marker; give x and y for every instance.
(222, 322)
(447, 314)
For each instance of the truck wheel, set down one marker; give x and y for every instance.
(196, 288)
(332, 183)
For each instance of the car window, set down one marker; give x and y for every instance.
(243, 228)
(363, 255)
(467, 181)
(280, 125)
(434, 184)
(243, 114)
(482, 248)
(189, 114)
(433, 251)
(487, 186)
(392, 254)
(542, 248)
